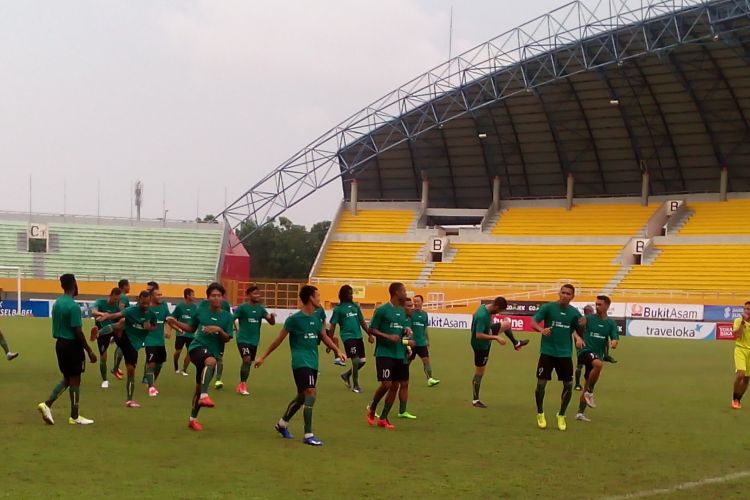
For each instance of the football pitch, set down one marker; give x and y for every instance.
(663, 420)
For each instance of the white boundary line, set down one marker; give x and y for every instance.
(681, 487)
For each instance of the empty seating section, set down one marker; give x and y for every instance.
(372, 260)
(107, 252)
(584, 220)
(729, 217)
(589, 265)
(376, 221)
(10, 233)
(693, 267)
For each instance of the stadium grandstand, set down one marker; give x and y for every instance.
(101, 251)
(605, 146)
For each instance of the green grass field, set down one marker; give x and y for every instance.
(663, 420)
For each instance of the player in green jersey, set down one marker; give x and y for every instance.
(403, 386)
(213, 327)
(349, 317)
(225, 306)
(183, 312)
(600, 332)
(69, 347)
(133, 325)
(389, 326)
(104, 330)
(156, 351)
(420, 322)
(562, 322)
(482, 336)
(248, 318)
(304, 328)
(588, 309)
(124, 286)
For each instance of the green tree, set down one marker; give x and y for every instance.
(281, 249)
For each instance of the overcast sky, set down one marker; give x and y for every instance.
(202, 96)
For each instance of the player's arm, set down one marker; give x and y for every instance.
(614, 337)
(328, 341)
(96, 314)
(538, 317)
(75, 324)
(374, 328)
(741, 325)
(276, 343)
(270, 318)
(179, 325)
(485, 332)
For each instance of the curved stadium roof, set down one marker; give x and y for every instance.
(602, 94)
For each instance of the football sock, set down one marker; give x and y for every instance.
(308, 413)
(149, 375)
(245, 371)
(157, 370)
(578, 374)
(59, 389)
(476, 383)
(294, 405)
(4, 345)
(582, 406)
(539, 396)
(402, 406)
(509, 333)
(118, 358)
(103, 367)
(386, 409)
(567, 393)
(428, 370)
(196, 406)
(219, 368)
(75, 393)
(176, 360)
(206, 376)
(737, 396)
(131, 386)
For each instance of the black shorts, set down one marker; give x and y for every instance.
(129, 353)
(354, 348)
(481, 357)
(563, 367)
(156, 354)
(180, 342)
(421, 350)
(391, 370)
(103, 341)
(248, 350)
(305, 378)
(198, 357)
(71, 358)
(587, 359)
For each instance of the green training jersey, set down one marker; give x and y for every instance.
(419, 322)
(480, 323)
(562, 321)
(135, 319)
(249, 317)
(184, 313)
(390, 320)
(598, 333)
(304, 331)
(66, 317)
(155, 338)
(321, 313)
(124, 301)
(211, 341)
(103, 305)
(348, 316)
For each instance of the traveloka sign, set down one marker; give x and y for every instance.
(690, 312)
(690, 330)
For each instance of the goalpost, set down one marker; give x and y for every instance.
(18, 285)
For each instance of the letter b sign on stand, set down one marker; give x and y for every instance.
(438, 246)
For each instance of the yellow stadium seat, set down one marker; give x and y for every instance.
(586, 220)
(376, 221)
(709, 218)
(372, 260)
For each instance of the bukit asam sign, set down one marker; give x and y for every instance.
(682, 312)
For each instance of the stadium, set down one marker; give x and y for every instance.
(603, 146)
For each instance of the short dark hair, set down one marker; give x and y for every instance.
(605, 299)
(306, 292)
(153, 285)
(393, 287)
(122, 283)
(144, 294)
(67, 281)
(569, 287)
(187, 292)
(343, 291)
(421, 298)
(747, 303)
(500, 303)
(215, 286)
(251, 289)
(115, 292)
